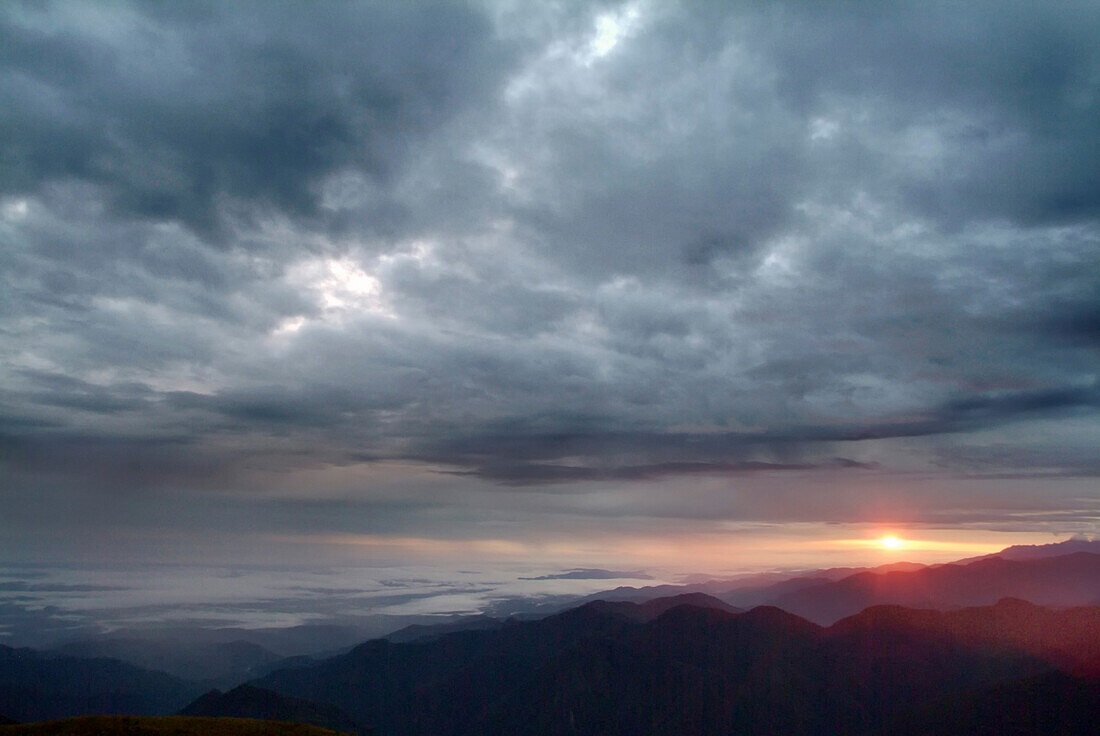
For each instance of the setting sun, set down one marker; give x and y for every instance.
(891, 542)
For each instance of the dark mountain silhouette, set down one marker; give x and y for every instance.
(286, 663)
(5, 721)
(532, 609)
(1052, 703)
(416, 632)
(1067, 638)
(742, 591)
(760, 596)
(315, 639)
(910, 649)
(651, 609)
(246, 701)
(428, 686)
(163, 726)
(608, 668)
(665, 666)
(799, 591)
(689, 671)
(230, 661)
(644, 610)
(1067, 580)
(35, 686)
(752, 595)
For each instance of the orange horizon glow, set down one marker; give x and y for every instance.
(893, 542)
(709, 552)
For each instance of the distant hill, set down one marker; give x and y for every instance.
(754, 594)
(785, 589)
(752, 597)
(645, 609)
(741, 591)
(1067, 638)
(606, 669)
(653, 608)
(1063, 637)
(230, 661)
(180, 641)
(1039, 551)
(162, 726)
(417, 632)
(36, 686)
(246, 701)
(1067, 580)
(685, 665)
(812, 595)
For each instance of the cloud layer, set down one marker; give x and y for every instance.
(428, 256)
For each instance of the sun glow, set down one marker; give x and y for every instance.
(923, 549)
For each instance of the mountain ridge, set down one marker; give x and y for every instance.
(595, 669)
(36, 686)
(247, 701)
(1066, 580)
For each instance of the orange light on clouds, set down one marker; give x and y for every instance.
(894, 543)
(721, 552)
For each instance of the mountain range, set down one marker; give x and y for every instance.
(38, 686)
(998, 644)
(783, 589)
(606, 668)
(1067, 580)
(224, 662)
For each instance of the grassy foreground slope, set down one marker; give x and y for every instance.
(162, 726)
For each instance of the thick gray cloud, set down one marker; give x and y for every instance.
(527, 249)
(185, 113)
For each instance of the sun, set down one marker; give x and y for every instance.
(891, 542)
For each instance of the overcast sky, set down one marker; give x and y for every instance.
(595, 283)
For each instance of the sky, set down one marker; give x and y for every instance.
(646, 285)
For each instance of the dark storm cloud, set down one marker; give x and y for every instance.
(1008, 88)
(24, 586)
(998, 120)
(1022, 461)
(591, 245)
(519, 474)
(68, 392)
(981, 409)
(183, 113)
(103, 461)
(1078, 324)
(965, 414)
